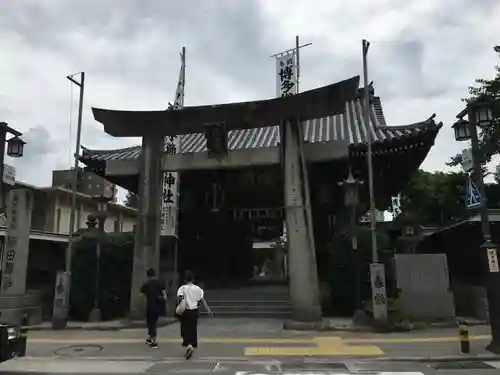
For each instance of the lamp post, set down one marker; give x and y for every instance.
(351, 200)
(102, 209)
(15, 149)
(479, 114)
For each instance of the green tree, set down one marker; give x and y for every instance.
(489, 137)
(132, 200)
(438, 198)
(435, 197)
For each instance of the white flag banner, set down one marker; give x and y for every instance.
(170, 188)
(286, 74)
(286, 83)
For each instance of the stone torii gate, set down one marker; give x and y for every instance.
(215, 121)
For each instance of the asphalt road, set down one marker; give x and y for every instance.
(247, 347)
(295, 367)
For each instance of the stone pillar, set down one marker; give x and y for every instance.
(14, 302)
(147, 234)
(16, 252)
(303, 274)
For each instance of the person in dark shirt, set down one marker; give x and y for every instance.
(156, 299)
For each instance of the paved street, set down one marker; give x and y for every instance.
(246, 346)
(252, 339)
(296, 367)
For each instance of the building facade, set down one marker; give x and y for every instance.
(250, 188)
(52, 211)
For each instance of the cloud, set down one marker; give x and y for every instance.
(423, 56)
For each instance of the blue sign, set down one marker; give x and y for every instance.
(473, 195)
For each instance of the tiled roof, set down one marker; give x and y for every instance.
(349, 126)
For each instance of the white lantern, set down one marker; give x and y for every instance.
(351, 190)
(461, 128)
(15, 147)
(484, 117)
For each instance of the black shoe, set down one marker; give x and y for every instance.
(153, 345)
(189, 352)
(147, 341)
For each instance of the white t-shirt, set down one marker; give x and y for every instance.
(192, 294)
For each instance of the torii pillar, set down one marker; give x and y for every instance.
(153, 126)
(303, 273)
(147, 235)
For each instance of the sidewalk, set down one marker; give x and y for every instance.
(257, 339)
(113, 325)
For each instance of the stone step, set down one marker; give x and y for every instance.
(251, 308)
(245, 295)
(249, 312)
(249, 303)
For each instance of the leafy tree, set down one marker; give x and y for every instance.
(438, 198)
(435, 197)
(489, 137)
(132, 200)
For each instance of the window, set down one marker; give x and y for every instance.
(58, 221)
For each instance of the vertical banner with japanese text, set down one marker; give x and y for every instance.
(286, 74)
(286, 83)
(16, 248)
(170, 188)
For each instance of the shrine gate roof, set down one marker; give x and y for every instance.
(348, 126)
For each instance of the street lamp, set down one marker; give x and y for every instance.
(484, 116)
(15, 148)
(102, 209)
(479, 114)
(351, 200)
(461, 128)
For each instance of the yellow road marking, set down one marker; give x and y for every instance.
(247, 340)
(325, 346)
(215, 340)
(410, 340)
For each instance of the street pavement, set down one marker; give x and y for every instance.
(254, 346)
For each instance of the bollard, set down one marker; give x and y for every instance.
(23, 336)
(464, 339)
(22, 342)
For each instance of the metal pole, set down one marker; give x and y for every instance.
(60, 316)
(74, 185)
(357, 273)
(493, 278)
(369, 156)
(377, 270)
(176, 279)
(305, 174)
(3, 139)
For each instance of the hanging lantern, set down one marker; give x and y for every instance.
(461, 128)
(15, 147)
(351, 190)
(484, 117)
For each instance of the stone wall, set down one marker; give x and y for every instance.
(424, 286)
(470, 300)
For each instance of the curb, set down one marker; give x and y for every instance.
(417, 326)
(451, 358)
(89, 327)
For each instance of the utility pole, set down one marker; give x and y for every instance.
(60, 317)
(377, 270)
(488, 246)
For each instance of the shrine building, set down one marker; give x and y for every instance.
(228, 204)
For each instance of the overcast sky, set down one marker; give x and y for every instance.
(423, 56)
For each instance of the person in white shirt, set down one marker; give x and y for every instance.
(192, 295)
